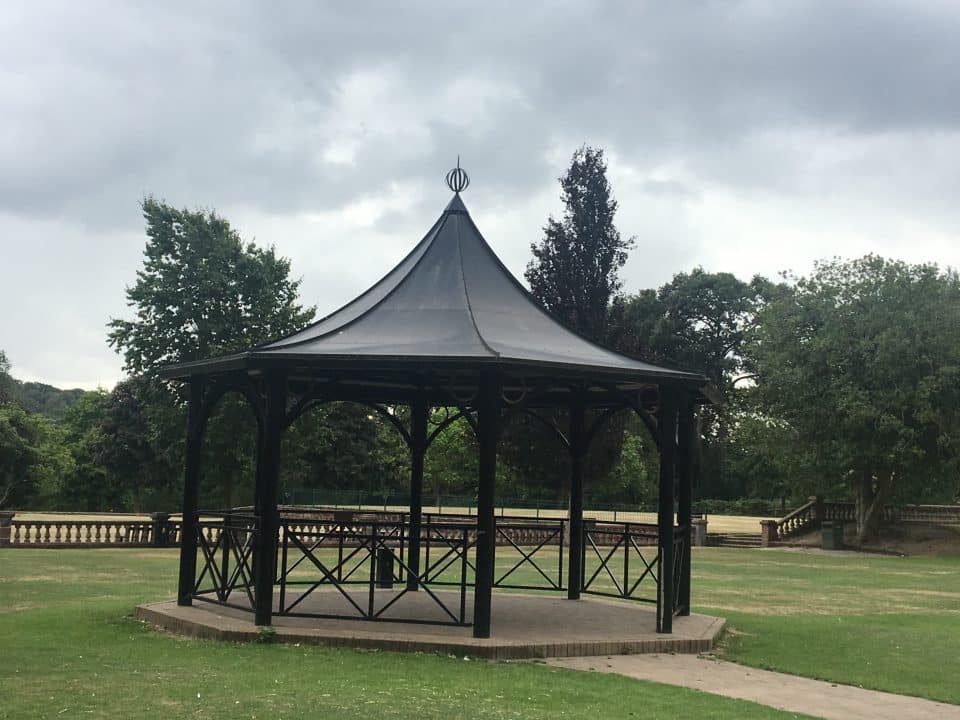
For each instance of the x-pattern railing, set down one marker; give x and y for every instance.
(549, 536)
(372, 543)
(341, 555)
(457, 548)
(226, 546)
(621, 552)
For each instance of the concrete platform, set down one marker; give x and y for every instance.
(523, 626)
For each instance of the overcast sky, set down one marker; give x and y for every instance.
(749, 137)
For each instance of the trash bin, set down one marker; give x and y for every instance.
(832, 535)
(384, 568)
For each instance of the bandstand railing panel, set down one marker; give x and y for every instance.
(360, 562)
(536, 562)
(531, 540)
(621, 560)
(340, 556)
(225, 545)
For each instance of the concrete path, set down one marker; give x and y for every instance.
(785, 692)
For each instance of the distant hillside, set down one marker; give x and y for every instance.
(45, 399)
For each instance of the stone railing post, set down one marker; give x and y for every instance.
(768, 533)
(6, 520)
(819, 509)
(161, 529)
(699, 535)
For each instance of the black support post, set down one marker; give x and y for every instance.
(667, 429)
(268, 466)
(488, 430)
(578, 451)
(191, 489)
(418, 451)
(685, 445)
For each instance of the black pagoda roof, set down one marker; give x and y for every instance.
(449, 303)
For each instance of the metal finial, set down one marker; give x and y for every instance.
(457, 179)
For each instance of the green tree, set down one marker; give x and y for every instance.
(574, 273)
(32, 457)
(450, 467)
(110, 462)
(344, 446)
(125, 449)
(202, 292)
(699, 321)
(88, 486)
(862, 360)
(575, 267)
(634, 478)
(46, 399)
(766, 460)
(32, 453)
(7, 383)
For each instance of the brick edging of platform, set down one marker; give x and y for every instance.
(487, 649)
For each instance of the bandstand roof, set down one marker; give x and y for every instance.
(449, 304)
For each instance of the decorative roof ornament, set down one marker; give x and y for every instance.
(457, 179)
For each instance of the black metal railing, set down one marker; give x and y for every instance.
(362, 563)
(531, 538)
(225, 544)
(621, 560)
(370, 554)
(521, 537)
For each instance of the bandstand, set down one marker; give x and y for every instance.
(448, 333)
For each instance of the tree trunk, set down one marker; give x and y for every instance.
(230, 492)
(871, 495)
(7, 490)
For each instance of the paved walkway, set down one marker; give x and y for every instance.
(786, 692)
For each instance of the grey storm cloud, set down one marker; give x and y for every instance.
(724, 122)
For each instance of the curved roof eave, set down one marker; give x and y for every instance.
(260, 361)
(449, 303)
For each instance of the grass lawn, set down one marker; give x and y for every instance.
(69, 649)
(888, 623)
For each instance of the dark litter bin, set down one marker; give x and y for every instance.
(384, 568)
(832, 535)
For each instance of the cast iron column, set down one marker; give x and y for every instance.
(577, 453)
(418, 450)
(268, 467)
(191, 487)
(488, 429)
(685, 445)
(667, 429)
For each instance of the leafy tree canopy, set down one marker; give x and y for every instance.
(32, 455)
(574, 270)
(862, 360)
(202, 292)
(574, 273)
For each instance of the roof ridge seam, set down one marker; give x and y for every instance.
(431, 232)
(435, 232)
(549, 315)
(466, 294)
